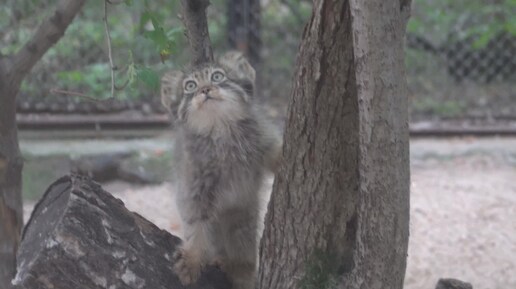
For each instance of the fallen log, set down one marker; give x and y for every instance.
(81, 237)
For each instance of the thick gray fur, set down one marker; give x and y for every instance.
(220, 172)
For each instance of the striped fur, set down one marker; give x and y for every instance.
(223, 149)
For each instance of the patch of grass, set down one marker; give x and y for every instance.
(321, 271)
(446, 108)
(40, 172)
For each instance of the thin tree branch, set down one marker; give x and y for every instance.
(78, 94)
(194, 19)
(110, 53)
(48, 33)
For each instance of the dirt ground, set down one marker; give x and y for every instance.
(463, 211)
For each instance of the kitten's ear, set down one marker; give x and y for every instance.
(171, 90)
(237, 65)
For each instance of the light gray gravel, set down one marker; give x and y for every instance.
(463, 211)
(463, 214)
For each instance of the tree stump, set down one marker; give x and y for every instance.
(81, 237)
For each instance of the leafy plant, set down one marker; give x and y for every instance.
(481, 19)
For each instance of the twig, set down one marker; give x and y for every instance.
(110, 55)
(113, 2)
(78, 94)
(122, 86)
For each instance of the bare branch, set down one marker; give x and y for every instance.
(110, 53)
(194, 19)
(48, 33)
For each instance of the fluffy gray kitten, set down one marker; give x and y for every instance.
(223, 149)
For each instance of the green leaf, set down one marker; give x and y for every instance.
(157, 36)
(173, 33)
(72, 76)
(144, 19)
(149, 77)
(131, 73)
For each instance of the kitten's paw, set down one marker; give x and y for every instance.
(217, 262)
(187, 267)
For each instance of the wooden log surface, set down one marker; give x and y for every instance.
(79, 236)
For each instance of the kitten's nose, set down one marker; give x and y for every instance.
(206, 89)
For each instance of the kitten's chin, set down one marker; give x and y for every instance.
(214, 118)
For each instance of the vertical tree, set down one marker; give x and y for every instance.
(13, 69)
(244, 32)
(339, 211)
(243, 25)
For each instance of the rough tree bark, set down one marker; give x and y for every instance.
(81, 237)
(196, 24)
(13, 69)
(339, 212)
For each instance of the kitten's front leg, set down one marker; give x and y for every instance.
(191, 257)
(273, 155)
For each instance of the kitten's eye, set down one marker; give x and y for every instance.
(190, 85)
(217, 76)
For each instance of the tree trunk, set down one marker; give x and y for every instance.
(81, 237)
(11, 219)
(244, 33)
(339, 212)
(196, 24)
(243, 27)
(13, 69)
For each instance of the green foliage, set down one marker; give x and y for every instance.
(93, 78)
(148, 76)
(147, 38)
(446, 108)
(143, 36)
(165, 41)
(481, 19)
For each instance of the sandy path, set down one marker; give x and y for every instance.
(463, 224)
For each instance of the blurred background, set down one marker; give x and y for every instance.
(461, 72)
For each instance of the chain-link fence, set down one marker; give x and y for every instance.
(461, 59)
(460, 54)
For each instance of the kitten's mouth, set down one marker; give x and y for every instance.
(210, 97)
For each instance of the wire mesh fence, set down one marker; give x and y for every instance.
(460, 54)
(461, 59)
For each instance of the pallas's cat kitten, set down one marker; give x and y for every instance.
(223, 149)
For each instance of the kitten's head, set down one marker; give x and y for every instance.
(216, 94)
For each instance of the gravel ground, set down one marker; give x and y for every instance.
(463, 211)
